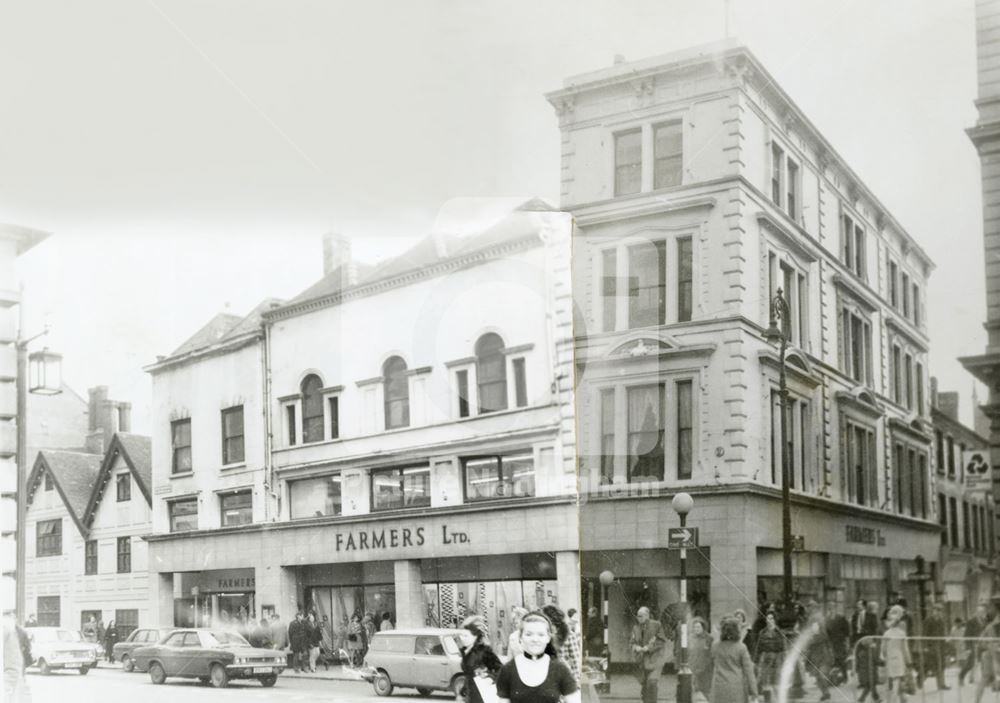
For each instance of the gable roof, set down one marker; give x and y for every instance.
(211, 333)
(136, 451)
(74, 475)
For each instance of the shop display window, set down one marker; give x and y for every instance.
(316, 497)
(491, 477)
(401, 488)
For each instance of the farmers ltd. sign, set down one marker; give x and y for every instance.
(394, 537)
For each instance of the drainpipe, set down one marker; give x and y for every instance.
(269, 492)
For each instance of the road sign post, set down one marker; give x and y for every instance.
(682, 538)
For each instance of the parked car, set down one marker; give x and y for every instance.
(210, 655)
(56, 648)
(144, 636)
(424, 659)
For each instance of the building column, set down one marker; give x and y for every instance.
(277, 586)
(161, 599)
(409, 593)
(568, 580)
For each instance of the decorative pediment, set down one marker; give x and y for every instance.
(643, 346)
(856, 291)
(912, 427)
(861, 399)
(797, 366)
(798, 243)
(906, 333)
(647, 343)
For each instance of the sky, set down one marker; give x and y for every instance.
(187, 155)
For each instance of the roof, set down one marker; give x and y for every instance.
(136, 452)
(74, 475)
(211, 333)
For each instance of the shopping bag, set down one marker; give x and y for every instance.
(487, 689)
(909, 683)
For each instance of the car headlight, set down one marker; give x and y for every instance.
(240, 660)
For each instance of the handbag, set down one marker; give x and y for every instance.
(909, 683)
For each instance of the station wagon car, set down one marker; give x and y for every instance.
(55, 648)
(214, 656)
(144, 636)
(424, 659)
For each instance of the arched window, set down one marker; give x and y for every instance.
(397, 393)
(312, 409)
(491, 373)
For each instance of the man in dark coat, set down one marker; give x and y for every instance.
(838, 629)
(298, 640)
(973, 628)
(857, 621)
(933, 650)
(649, 647)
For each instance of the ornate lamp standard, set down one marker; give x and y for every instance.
(682, 504)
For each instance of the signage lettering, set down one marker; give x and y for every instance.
(379, 539)
(864, 535)
(235, 583)
(453, 537)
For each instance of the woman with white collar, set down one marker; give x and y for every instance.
(536, 675)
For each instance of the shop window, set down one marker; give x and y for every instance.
(393, 489)
(124, 555)
(48, 538)
(316, 497)
(668, 155)
(180, 434)
(491, 373)
(609, 289)
(90, 557)
(628, 162)
(647, 284)
(183, 515)
(520, 383)
(123, 487)
(646, 417)
(492, 477)
(126, 621)
(232, 435)
(312, 409)
(236, 508)
(396, 390)
(48, 611)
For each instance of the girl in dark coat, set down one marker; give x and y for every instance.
(478, 658)
(110, 637)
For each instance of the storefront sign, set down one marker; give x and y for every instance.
(977, 470)
(864, 535)
(395, 537)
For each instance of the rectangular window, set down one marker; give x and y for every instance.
(915, 484)
(124, 555)
(792, 202)
(647, 264)
(920, 388)
(520, 383)
(232, 435)
(316, 497)
(125, 622)
(857, 347)
(609, 289)
(906, 295)
(898, 457)
(393, 489)
(943, 518)
(685, 279)
(862, 486)
(48, 481)
(90, 557)
(893, 284)
(916, 304)
(290, 425)
(236, 508)
(646, 415)
(123, 487)
(668, 155)
(897, 374)
(777, 174)
(975, 528)
(854, 249)
(48, 538)
(953, 517)
(333, 406)
(48, 611)
(183, 515)
(628, 162)
(950, 449)
(803, 310)
(908, 380)
(507, 476)
(462, 381)
(966, 532)
(607, 436)
(180, 434)
(685, 429)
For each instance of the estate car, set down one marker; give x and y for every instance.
(424, 659)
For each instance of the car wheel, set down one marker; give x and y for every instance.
(424, 691)
(382, 684)
(156, 673)
(84, 670)
(218, 676)
(44, 668)
(458, 686)
(127, 663)
(268, 681)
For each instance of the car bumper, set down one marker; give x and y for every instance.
(249, 671)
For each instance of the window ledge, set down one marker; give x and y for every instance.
(182, 474)
(226, 468)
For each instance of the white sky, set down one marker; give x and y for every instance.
(187, 154)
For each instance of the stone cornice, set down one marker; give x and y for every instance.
(369, 381)
(418, 371)
(858, 291)
(794, 243)
(626, 207)
(225, 347)
(771, 358)
(906, 333)
(872, 412)
(905, 428)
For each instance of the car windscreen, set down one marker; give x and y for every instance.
(222, 638)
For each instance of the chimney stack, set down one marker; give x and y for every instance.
(934, 392)
(105, 418)
(948, 404)
(337, 255)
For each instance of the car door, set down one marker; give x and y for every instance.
(169, 653)
(193, 656)
(430, 668)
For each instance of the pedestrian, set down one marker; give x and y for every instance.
(355, 640)
(386, 623)
(279, 633)
(595, 633)
(733, 680)
(298, 640)
(838, 630)
(514, 646)
(954, 641)
(479, 661)
(866, 661)
(262, 635)
(536, 675)
(857, 622)
(573, 620)
(973, 628)
(648, 644)
(567, 641)
(700, 656)
(100, 630)
(989, 652)
(819, 654)
(314, 638)
(90, 630)
(895, 652)
(16, 657)
(110, 638)
(934, 650)
(769, 653)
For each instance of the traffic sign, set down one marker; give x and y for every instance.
(977, 470)
(682, 538)
(798, 543)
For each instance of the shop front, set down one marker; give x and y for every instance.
(214, 598)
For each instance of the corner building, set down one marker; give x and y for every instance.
(416, 453)
(698, 189)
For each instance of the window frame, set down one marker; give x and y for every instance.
(400, 472)
(495, 356)
(229, 495)
(228, 458)
(631, 169)
(91, 561)
(48, 616)
(48, 543)
(854, 243)
(868, 471)
(395, 393)
(178, 450)
(311, 394)
(123, 487)
(171, 514)
(124, 555)
(657, 158)
(327, 480)
(502, 479)
(848, 314)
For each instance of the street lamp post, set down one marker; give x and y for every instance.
(682, 504)
(606, 578)
(779, 334)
